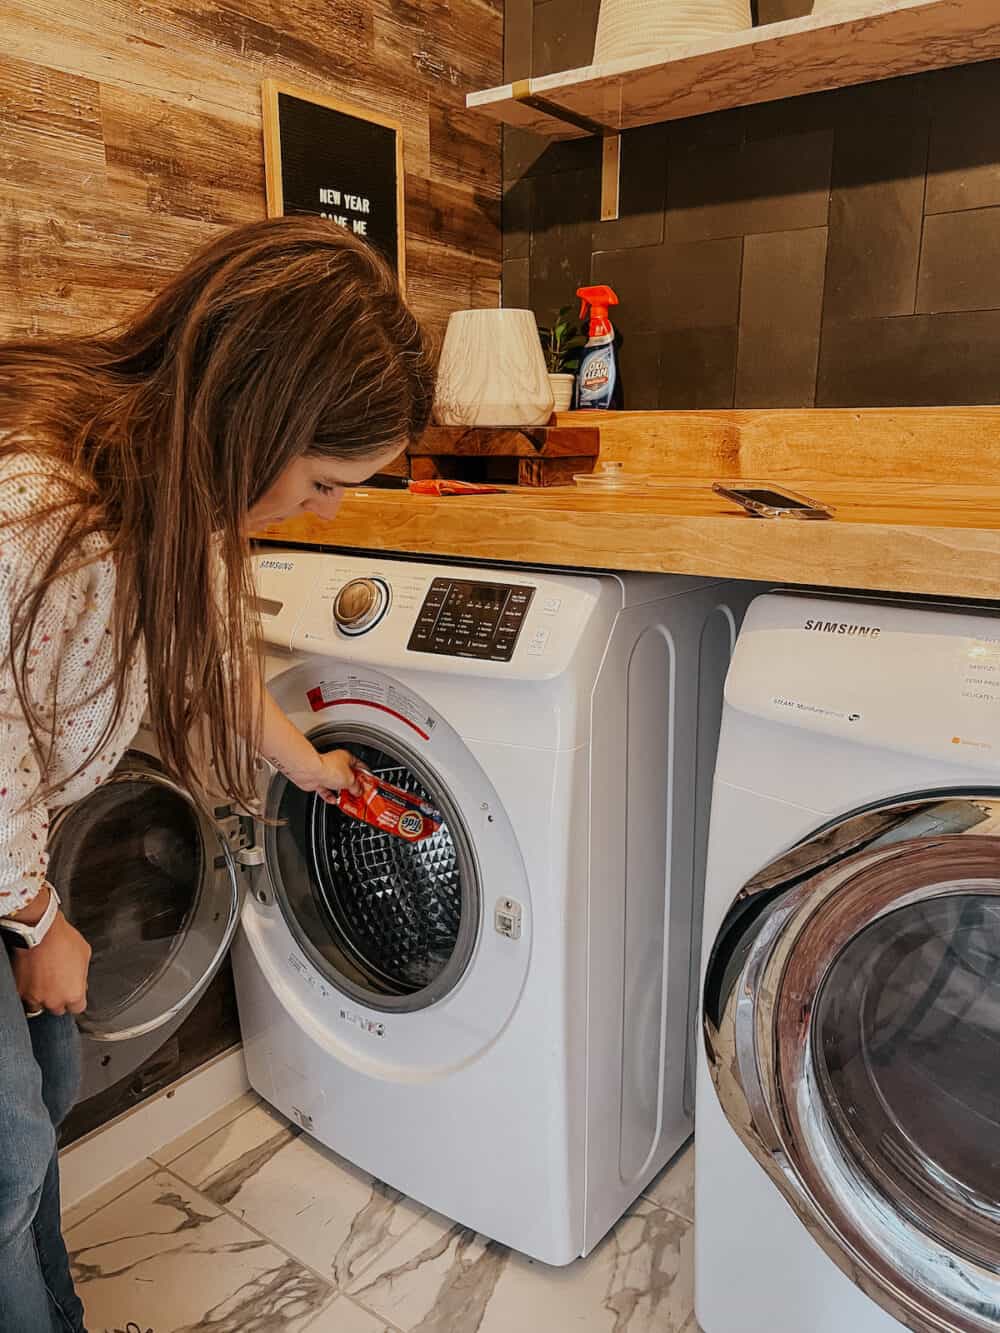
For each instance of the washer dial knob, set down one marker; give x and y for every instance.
(360, 605)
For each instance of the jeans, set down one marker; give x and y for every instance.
(39, 1080)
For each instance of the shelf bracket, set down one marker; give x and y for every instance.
(611, 142)
(521, 92)
(611, 170)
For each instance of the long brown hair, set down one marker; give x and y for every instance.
(278, 339)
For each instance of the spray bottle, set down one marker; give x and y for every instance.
(597, 382)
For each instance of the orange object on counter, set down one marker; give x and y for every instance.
(441, 486)
(390, 809)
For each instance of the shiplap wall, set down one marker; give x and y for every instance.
(130, 132)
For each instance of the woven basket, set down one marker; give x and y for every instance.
(628, 28)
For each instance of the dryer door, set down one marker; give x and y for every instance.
(390, 923)
(150, 881)
(852, 1020)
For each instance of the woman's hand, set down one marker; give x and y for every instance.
(53, 975)
(337, 771)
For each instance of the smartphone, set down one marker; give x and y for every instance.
(766, 501)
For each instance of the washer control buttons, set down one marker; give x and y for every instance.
(360, 605)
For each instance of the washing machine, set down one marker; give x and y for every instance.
(495, 1017)
(847, 1175)
(154, 883)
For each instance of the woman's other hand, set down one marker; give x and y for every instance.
(53, 975)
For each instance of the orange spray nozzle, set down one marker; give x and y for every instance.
(598, 298)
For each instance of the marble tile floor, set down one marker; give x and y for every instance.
(246, 1225)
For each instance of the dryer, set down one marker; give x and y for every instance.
(848, 1097)
(496, 1020)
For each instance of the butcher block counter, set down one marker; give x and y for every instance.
(915, 494)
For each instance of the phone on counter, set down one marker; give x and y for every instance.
(766, 501)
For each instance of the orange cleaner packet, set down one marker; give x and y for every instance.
(389, 808)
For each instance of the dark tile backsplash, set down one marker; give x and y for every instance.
(841, 249)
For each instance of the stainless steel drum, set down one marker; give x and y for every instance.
(388, 922)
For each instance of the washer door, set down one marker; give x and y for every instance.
(390, 923)
(151, 883)
(852, 1021)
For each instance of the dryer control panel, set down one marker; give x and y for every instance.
(465, 618)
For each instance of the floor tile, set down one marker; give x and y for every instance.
(224, 1116)
(167, 1258)
(673, 1188)
(317, 1206)
(449, 1280)
(343, 1316)
(86, 1207)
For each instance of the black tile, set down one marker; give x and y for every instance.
(963, 90)
(527, 154)
(917, 361)
(642, 193)
(563, 37)
(776, 11)
(564, 212)
(963, 169)
(697, 368)
(518, 21)
(771, 185)
(876, 214)
(901, 101)
(718, 129)
(674, 286)
(517, 208)
(960, 262)
(639, 367)
(780, 313)
(963, 166)
(515, 289)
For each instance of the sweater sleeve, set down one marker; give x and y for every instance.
(24, 815)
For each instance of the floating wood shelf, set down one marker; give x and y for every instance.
(804, 55)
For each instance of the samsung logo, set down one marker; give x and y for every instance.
(276, 564)
(841, 627)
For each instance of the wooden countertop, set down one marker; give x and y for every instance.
(892, 535)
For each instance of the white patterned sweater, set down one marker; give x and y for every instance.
(73, 634)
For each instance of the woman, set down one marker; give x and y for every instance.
(278, 368)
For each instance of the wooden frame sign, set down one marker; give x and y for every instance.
(336, 161)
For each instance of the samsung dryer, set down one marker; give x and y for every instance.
(847, 1170)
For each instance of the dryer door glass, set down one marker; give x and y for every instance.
(150, 882)
(388, 922)
(852, 1022)
(906, 1042)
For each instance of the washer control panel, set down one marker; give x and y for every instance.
(465, 618)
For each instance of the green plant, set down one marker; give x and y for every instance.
(563, 342)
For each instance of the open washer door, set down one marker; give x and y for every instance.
(390, 923)
(151, 882)
(852, 1022)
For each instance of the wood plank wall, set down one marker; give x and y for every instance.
(130, 133)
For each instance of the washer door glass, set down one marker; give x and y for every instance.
(149, 881)
(388, 922)
(907, 1047)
